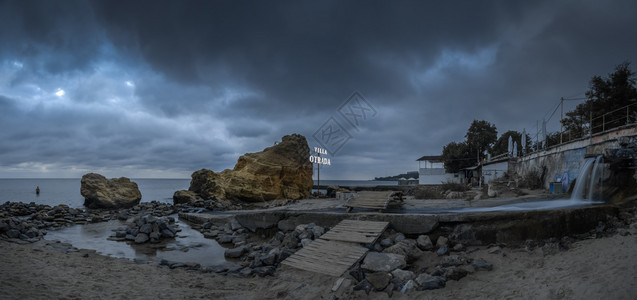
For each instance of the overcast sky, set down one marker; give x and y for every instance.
(161, 89)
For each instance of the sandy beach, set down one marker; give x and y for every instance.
(595, 268)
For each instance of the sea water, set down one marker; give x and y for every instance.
(67, 191)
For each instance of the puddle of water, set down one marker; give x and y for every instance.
(188, 246)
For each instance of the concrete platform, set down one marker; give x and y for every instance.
(485, 227)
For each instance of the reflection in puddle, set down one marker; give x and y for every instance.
(188, 246)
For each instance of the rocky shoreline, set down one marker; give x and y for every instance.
(397, 263)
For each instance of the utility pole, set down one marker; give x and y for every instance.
(318, 176)
(561, 118)
(537, 136)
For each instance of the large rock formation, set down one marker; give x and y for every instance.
(99, 192)
(282, 171)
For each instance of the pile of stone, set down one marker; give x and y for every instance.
(15, 228)
(29, 221)
(391, 265)
(251, 259)
(147, 228)
(155, 208)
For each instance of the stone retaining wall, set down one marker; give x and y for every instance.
(471, 228)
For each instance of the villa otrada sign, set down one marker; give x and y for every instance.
(317, 159)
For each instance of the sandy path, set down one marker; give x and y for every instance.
(603, 268)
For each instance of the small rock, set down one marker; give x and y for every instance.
(235, 252)
(175, 265)
(443, 250)
(268, 259)
(442, 241)
(264, 271)
(167, 233)
(245, 272)
(363, 285)
(211, 234)
(300, 228)
(13, 233)
(386, 242)
(424, 243)
(403, 275)
(452, 260)
(154, 237)
(390, 289)
(225, 239)
(408, 287)
(455, 273)
(357, 273)
(458, 247)
(494, 250)
(318, 231)
(146, 228)
(305, 242)
(379, 280)
(428, 282)
(141, 238)
(481, 264)
(383, 262)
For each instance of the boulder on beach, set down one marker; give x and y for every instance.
(184, 196)
(99, 192)
(282, 171)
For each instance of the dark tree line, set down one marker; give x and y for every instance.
(607, 97)
(605, 105)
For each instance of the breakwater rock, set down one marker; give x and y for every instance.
(282, 171)
(99, 192)
(29, 221)
(147, 228)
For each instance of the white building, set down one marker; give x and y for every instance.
(431, 170)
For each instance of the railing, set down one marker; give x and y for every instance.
(622, 116)
(615, 118)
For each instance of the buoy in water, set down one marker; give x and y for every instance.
(37, 190)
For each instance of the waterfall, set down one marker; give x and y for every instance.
(595, 177)
(587, 177)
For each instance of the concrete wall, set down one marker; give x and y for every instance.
(564, 161)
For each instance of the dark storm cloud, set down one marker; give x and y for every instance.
(182, 85)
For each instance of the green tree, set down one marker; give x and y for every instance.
(457, 156)
(606, 97)
(481, 137)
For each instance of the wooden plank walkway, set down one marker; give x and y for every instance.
(338, 249)
(365, 232)
(370, 199)
(326, 257)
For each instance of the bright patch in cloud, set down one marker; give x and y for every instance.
(130, 83)
(60, 93)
